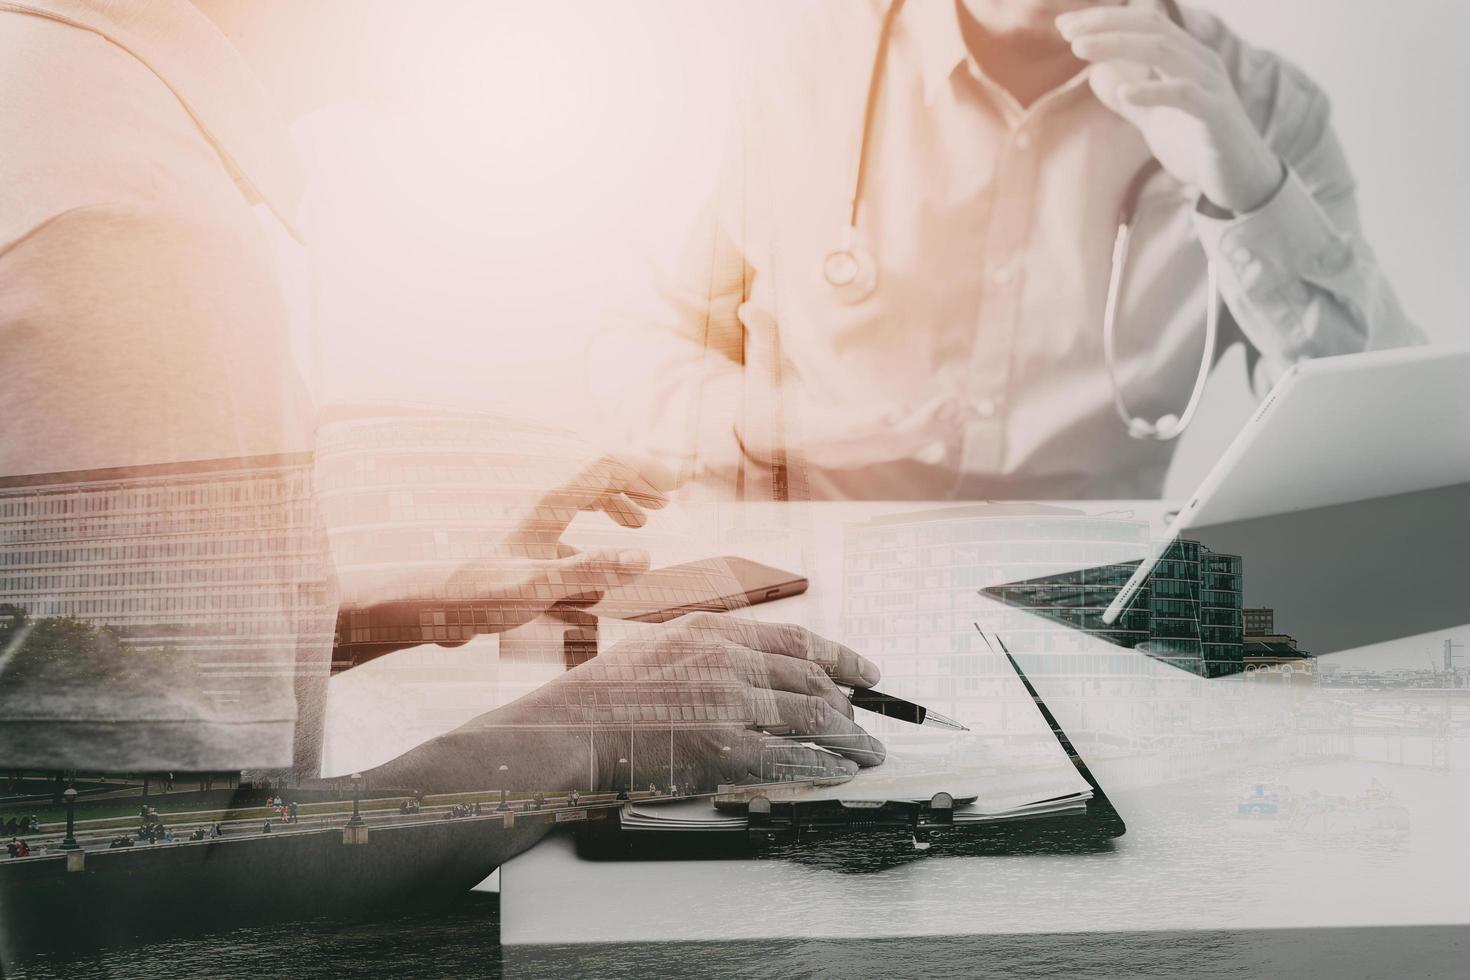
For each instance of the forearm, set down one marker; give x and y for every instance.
(1300, 280)
(366, 631)
(669, 363)
(469, 759)
(684, 413)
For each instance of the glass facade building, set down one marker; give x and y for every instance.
(914, 593)
(913, 585)
(1222, 628)
(171, 597)
(1187, 614)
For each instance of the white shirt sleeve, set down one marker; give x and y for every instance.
(1297, 274)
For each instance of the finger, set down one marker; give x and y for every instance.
(539, 532)
(757, 759)
(604, 485)
(646, 481)
(811, 719)
(614, 487)
(805, 678)
(588, 572)
(1164, 54)
(776, 673)
(841, 664)
(1098, 20)
(1175, 93)
(612, 476)
(620, 509)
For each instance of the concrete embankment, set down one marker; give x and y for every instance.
(114, 896)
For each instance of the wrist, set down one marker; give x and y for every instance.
(1250, 195)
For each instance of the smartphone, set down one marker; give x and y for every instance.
(710, 585)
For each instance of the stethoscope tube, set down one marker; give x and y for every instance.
(1166, 427)
(850, 269)
(852, 272)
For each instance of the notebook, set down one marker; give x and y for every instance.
(1025, 771)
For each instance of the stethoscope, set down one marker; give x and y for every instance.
(852, 272)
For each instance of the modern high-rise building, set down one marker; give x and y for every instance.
(1187, 614)
(1175, 592)
(916, 587)
(167, 597)
(914, 584)
(1221, 627)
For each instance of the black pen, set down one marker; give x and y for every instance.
(892, 707)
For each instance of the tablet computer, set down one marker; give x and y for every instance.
(1347, 498)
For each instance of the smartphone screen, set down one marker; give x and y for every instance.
(710, 585)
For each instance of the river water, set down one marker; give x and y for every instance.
(463, 941)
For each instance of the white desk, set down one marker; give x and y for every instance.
(1175, 762)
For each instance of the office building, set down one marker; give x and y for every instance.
(209, 581)
(1187, 614)
(1221, 626)
(912, 585)
(1259, 622)
(219, 546)
(1262, 646)
(915, 588)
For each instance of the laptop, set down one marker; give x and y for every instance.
(1347, 496)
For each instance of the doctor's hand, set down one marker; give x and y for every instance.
(622, 487)
(1177, 92)
(515, 570)
(698, 702)
(530, 569)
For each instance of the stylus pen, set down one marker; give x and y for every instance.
(892, 707)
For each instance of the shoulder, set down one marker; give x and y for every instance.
(808, 54)
(1286, 105)
(114, 255)
(138, 334)
(85, 123)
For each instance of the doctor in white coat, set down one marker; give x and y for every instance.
(900, 288)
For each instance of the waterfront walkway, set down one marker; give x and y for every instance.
(99, 834)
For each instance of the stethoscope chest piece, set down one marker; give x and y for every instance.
(852, 273)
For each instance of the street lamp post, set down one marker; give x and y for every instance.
(69, 843)
(504, 771)
(356, 820)
(623, 761)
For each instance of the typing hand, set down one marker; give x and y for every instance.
(701, 701)
(623, 488)
(514, 570)
(531, 569)
(1176, 91)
